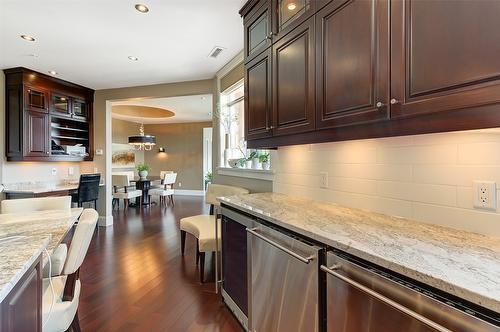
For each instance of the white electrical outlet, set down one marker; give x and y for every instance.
(54, 171)
(99, 152)
(323, 180)
(180, 184)
(96, 170)
(71, 170)
(484, 193)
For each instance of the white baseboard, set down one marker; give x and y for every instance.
(182, 192)
(105, 221)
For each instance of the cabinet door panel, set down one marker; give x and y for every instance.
(257, 25)
(291, 13)
(293, 81)
(445, 55)
(258, 97)
(80, 109)
(352, 62)
(36, 134)
(36, 98)
(60, 104)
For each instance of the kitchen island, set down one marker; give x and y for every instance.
(463, 264)
(23, 239)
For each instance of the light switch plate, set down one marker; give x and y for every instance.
(71, 170)
(54, 171)
(484, 195)
(99, 152)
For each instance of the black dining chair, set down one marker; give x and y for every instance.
(88, 190)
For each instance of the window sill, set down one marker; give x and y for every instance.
(259, 174)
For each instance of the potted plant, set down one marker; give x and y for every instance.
(254, 157)
(143, 170)
(264, 159)
(208, 178)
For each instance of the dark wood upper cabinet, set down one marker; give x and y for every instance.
(352, 62)
(293, 81)
(444, 55)
(258, 97)
(36, 98)
(36, 134)
(43, 114)
(258, 30)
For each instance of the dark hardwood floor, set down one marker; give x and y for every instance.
(135, 279)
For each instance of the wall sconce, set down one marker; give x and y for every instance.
(161, 149)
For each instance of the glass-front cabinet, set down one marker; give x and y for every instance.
(80, 109)
(36, 98)
(258, 30)
(60, 104)
(290, 13)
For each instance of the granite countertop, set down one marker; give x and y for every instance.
(23, 236)
(460, 263)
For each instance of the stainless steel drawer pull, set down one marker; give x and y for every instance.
(279, 246)
(382, 298)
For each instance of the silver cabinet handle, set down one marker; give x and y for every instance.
(279, 246)
(394, 101)
(270, 127)
(379, 104)
(382, 298)
(270, 35)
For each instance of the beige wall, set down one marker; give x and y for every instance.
(102, 118)
(424, 177)
(184, 152)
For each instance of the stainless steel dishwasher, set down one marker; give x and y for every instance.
(362, 298)
(282, 283)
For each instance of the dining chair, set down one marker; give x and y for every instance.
(88, 190)
(121, 190)
(166, 191)
(159, 183)
(202, 227)
(61, 294)
(27, 205)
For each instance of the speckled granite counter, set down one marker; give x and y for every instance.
(23, 236)
(461, 263)
(40, 187)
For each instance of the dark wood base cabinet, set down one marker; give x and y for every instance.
(21, 310)
(42, 114)
(354, 69)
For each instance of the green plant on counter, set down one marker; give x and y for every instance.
(143, 167)
(209, 177)
(241, 162)
(253, 155)
(264, 157)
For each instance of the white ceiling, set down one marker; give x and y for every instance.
(196, 108)
(88, 41)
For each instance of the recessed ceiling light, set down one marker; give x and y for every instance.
(28, 38)
(52, 72)
(142, 8)
(133, 58)
(292, 6)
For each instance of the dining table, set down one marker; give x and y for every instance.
(144, 184)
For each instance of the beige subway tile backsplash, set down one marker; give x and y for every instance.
(423, 177)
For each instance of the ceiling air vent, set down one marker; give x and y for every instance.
(215, 52)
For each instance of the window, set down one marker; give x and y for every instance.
(233, 151)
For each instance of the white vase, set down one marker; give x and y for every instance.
(248, 164)
(143, 175)
(227, 150)
(266, 165)
(256, 164)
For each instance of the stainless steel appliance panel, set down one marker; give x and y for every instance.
(362, 300)
(283, 282)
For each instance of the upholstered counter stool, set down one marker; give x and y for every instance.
(202, 227)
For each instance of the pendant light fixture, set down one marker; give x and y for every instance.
(141, 141)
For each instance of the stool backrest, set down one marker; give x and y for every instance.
(120, 180)
(219, 190)
(36, 204)
(81, 241)
(88, 189)
(170, 178)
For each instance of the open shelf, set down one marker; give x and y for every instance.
(70, 137)
(67, 131)
(69, 128)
